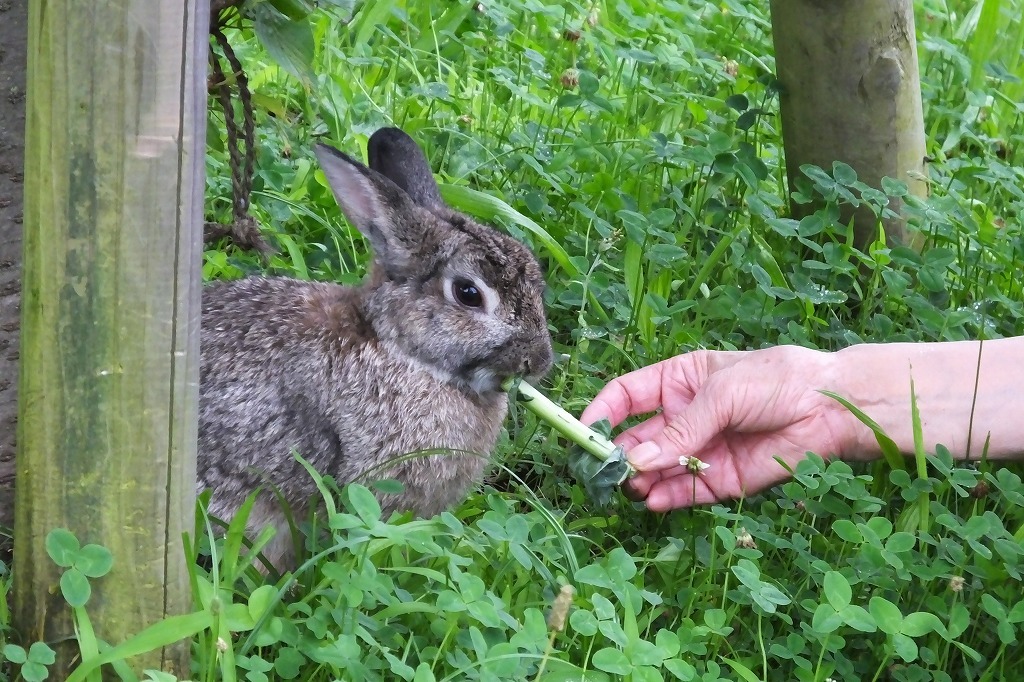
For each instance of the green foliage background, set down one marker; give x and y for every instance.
(636, 147)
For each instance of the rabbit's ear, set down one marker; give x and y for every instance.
(392, 153)
(374, 205)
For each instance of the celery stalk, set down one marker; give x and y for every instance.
(563, 422)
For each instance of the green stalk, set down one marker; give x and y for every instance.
(563, 422)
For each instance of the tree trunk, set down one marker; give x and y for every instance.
(850, 92)
(110, 311)
(13, 35)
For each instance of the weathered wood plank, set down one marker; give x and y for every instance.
(110, 308)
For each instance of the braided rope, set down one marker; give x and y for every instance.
(241, 137)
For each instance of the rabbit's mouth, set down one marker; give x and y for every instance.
(484, 380)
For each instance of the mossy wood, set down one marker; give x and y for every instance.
(110, 311)
(851, 92)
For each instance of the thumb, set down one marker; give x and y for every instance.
(687, 433)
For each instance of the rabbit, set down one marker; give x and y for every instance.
(354, 377)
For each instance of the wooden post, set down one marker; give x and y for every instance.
(108, 385)
(850, 92)
(13, 35)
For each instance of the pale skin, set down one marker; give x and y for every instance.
(738, 411)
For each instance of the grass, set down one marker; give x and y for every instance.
(642, 162)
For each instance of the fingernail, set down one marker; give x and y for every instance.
(644, 455)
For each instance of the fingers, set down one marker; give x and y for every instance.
(680, 491)
(684, 435)
(635, 435)
(630, 394)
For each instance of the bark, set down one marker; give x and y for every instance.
(13, 36)
(114, 154)
(851, 92)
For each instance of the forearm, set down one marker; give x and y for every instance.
(961, 402)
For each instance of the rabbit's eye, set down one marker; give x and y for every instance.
(467, 293)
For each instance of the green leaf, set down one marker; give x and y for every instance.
(95, 561)
(886, 614)
(620, 566)
(894, 188)
(62, 546)
(994, 607)
(837, 590)
(236, 618)
(34, 672)
(371, 14)
(901, 542)
(424, 674)
(641, 652)
(681, 669)
(1006, 632)
(288, 42)
(768, 598)
(858, 618)
(921, 623)
(737, 102)
(748, 573)
(599, 478)
(919, 458)
(715, 619)
(487, 207)
(156, 636)
(847, 530)
(843, 173)
(296, 10)
(1016, 614)
(959, 621)
(289, 662)
(583, 622)
(40, 652)
(611, 661)
(261, 600)
(667, 642)
(906, 648)
(451, 18)
(633, 270)
(743, 671)
(15, 654)
(363, 503)
(75, 587)
(825, 619)
(588, 84)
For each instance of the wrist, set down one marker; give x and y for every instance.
(844, 374)
(961, 399)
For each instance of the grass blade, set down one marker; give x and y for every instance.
(487, 207)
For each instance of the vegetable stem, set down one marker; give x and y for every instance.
(563, 422)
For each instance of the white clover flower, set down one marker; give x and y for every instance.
(694, 465)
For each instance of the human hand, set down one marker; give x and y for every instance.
(734, 411)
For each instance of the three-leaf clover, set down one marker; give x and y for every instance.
(33, 662)
(82, 563)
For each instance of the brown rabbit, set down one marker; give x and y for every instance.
(351, 378)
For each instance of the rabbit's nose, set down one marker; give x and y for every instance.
(538, 362)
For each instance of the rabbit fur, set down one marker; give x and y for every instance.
(353, 377)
